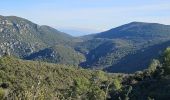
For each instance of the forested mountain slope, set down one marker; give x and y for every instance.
(120, 49)
(120, 46)
(29, 80)
(58, 54)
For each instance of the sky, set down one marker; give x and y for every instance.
(80, 17)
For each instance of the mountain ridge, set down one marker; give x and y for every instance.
(136, 36)
(19, 34)
(24, 39)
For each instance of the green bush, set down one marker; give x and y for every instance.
(153, 66)
(117, 84)
(166, 61)
(2, 93)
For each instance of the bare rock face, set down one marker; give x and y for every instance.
(23, 37)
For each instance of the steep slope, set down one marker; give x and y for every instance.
(107, 53)
(119, 46)
(140, 59)
(58, 54)
(123, 43)
(22, 37)
(52, 36)
(26, 80)
(151, 84)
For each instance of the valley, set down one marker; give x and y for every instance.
(38, 62)
(105, 51)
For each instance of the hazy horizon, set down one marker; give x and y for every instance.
(91, 16)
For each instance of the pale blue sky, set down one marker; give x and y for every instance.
(89, 15)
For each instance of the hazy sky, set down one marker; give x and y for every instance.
(89, 15)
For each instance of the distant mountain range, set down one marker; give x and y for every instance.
(78, 31)
(127, 48)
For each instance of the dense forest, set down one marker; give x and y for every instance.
(33, 80)
(129, 62)
(119, 49)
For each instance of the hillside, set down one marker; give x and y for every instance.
(151, 84)
(123, 42)
(140, 59)
(29, 80)
(22, 37)
(43, 81)
(136, 29)
(120, 49)
(58, 54)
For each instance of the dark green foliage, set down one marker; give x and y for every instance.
(43, 81)
(127, 48)
(166, 61)
(139, 60)
(135, 30)
(150, 84)
(106, 54)
(120, 49)
(97, 88)
(58, 54)
(25, 76)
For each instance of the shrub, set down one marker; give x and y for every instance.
(117, 84)
(153, 66)
(166, 61)
(2, 93)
